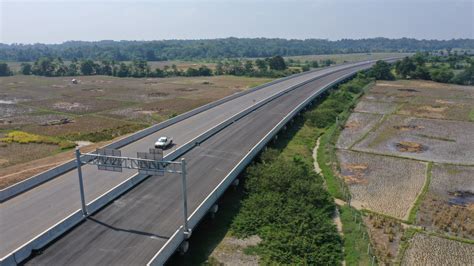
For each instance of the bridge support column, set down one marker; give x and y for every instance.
(214, 210)
(236, 182)
(183, 248)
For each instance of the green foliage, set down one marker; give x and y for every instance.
(217, 48)
(277, 63)
(443, 75)
(405, 67)
(437, 68)
(332, 182)
(26, 69)
(5, 70)
(381, 71)
(289, 209)
(325, 115)
(355, 245)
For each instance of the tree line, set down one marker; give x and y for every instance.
(453, 68)
(268, 67)
(218, 48)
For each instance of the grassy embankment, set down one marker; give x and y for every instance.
(356, 240)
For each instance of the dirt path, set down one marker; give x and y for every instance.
(336, 219)
(317, 169)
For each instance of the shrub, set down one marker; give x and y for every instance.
(25, 138)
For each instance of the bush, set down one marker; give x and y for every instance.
(25, 138)
(441, 75)
(288, 207)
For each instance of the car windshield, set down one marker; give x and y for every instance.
(162, 139)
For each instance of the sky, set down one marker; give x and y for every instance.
(57, 21)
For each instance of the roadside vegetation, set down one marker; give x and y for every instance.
(25, 138)
(450, 68)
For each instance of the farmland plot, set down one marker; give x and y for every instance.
(438, 108)
(432, 250)
(449, 204)
(356, 126)
(405, 89)
(439, 141)
(383, 184)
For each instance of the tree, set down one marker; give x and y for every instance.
(219, 68)
(441, 75)
(421, 72)
(381, 71)
(405, 67)
(123, 70)
(261, 65)
(277, 63)
(466, 77)
(5, 70)
(314, 64)
(204, 71)
(73, 70)
(248, 66)
(44, 67)
(87, 67)
(26, 68)
(192, 72)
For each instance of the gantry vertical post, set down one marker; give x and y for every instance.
(81, 183)
(185, 198)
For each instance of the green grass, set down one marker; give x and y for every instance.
(421, 196)
(333, 183)
(471, 115)
(355, 245)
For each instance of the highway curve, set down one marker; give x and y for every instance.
(31, 213)
(135, 226)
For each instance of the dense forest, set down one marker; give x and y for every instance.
(218, 48)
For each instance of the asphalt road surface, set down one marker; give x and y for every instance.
(135, 226)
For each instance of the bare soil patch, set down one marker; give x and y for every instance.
(230, 251)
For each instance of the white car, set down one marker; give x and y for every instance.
(163, 142)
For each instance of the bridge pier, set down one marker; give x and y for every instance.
(183, 248)
(213, 210)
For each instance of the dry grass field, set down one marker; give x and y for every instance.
(98, 108)
(382, 184)
(449, 204)
(432, 250)
(384, 163)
